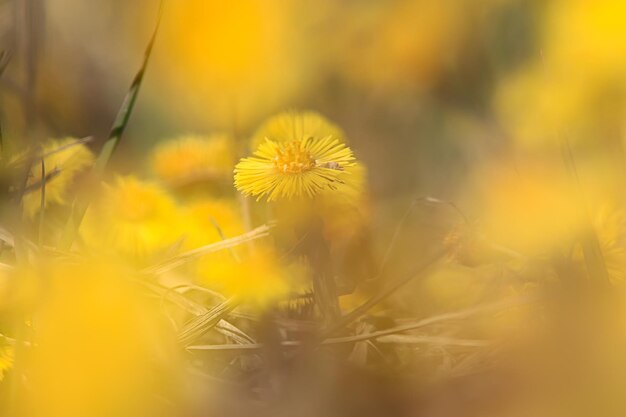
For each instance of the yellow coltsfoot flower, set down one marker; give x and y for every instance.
(132, 218)
(193, 159)
(294, 169)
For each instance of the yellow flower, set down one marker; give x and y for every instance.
(528, 208)
(226, 55)
(408, 36)
(294, 169)
(291, 125)
(99, 340)
(192, 159)
(258, 278)
(61, 162)
(354, 184)
(131, 217)
(575, 86)
(208, 221)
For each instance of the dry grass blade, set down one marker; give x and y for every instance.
(6, 237)
(205, 322)
(39, 184)
(405, 339)
(370, 303)
(192, 307)
(455, 315)
(42, 209)
(393, 287)
(176, 261)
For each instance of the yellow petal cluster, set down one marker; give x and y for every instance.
(295, 169)
(131, 217)
(192, 159)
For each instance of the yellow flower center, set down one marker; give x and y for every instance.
(292, 159)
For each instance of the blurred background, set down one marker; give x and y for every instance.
(415, 84)
(504, 116)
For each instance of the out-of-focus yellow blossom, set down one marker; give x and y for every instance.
(131, 217)
(239, 59)
(296, 125)
(599, 33)
(100, 347)
(299, 168)
(62, 161)
(353, 186)
(7, 356)
(403, 44)
(193, 159)
(538, 108)
(530, 209)
(575, 89)
(345, 208)
(208, 221)
(257, 278)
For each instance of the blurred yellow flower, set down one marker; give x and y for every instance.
(298, 168)
(101, 346)
(131, 217)
(257, 278)
(575, 87)
(62, 161)
(193, 159)
(589, 33)
(415, 39)
(296, 125)
(208, 221)
(531, 209)
(352, 188)
(539, 109)
(345, 209)
(238, 59)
